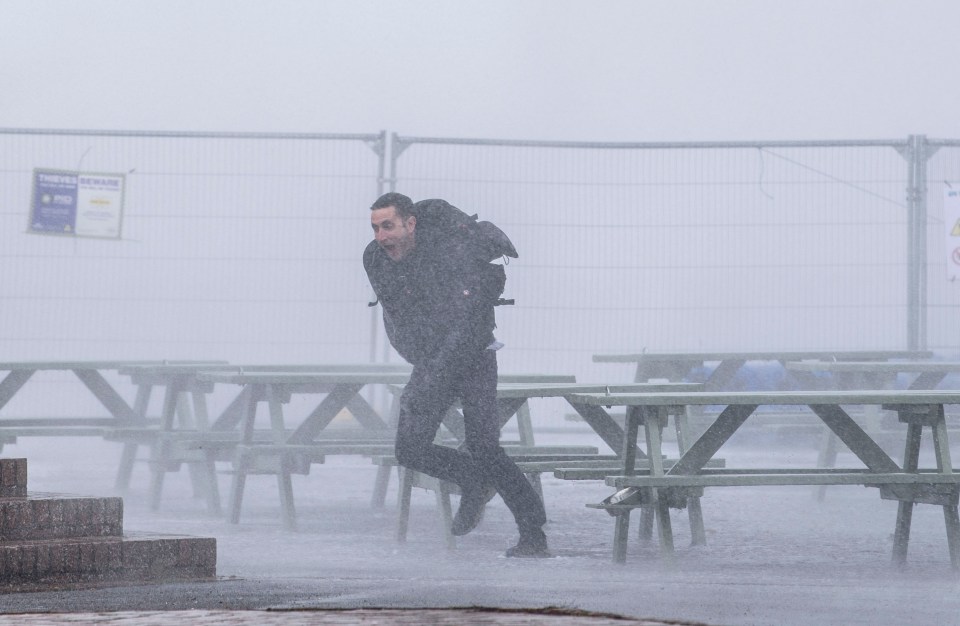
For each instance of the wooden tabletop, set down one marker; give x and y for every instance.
(768, 397)
(513, 390)
(191, 368)
(778, 355)
(94, 365)
(294, 378)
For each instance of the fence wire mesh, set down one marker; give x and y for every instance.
(690, 247)
(235, 246)
(246, 247)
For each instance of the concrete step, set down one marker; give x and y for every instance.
(49, 541)
(40, 516)
(13, 478)
(136, 558)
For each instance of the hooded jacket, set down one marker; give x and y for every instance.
(437, 301)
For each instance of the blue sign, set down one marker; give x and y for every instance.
(54, 209)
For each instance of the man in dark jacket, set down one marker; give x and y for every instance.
(438, 313)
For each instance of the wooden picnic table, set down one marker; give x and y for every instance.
(665, 487)
(677, 366)
(185, 408)
(90, 373)
(184, 425)
(927, 374)
(301, 446)
(288, 451)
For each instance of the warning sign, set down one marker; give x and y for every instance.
(956, 229)
(76, 204)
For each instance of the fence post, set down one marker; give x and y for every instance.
(917, 154)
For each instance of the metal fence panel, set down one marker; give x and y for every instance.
(943, 296)
(243, 247)
(684, 247)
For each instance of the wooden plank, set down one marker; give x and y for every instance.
(53, 431)
(840, 355)
(292, 378)
(45, 422)
(513, 390)
(223, 366)
(604, 463)
(318, 449)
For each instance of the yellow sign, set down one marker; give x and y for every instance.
(956, 230)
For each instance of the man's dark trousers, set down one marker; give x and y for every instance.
(424, 403)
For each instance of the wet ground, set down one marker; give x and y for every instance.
(774, 555)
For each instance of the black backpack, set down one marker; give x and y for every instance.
(441, 223)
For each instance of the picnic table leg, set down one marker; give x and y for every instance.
(628, 453)
(648, 512)
(951, 519)
(161, 450)
(129, 455)
(380, 486)
(525, 425)
(826, 457)
(901, 533)
(446, 513)
(403, 502)
(647, 518)
(285, 485)
(207, 467)
(236, 493)
(382, 481)
(186, 422)
(621, 531)
(247, 405)
(698, 535)
(284, 478)
(653, 428)
(664, 527)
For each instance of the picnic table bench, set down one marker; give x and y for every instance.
(664, 487)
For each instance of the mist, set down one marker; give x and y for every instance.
(676, 176)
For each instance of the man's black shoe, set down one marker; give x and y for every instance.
(532, 545)
(470, 511)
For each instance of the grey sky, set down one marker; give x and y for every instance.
(615, 70)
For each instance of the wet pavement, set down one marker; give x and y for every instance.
(425, 617)
(774, 555)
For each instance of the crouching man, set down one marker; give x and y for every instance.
(438, 313)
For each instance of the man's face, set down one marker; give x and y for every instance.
(394, 234)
